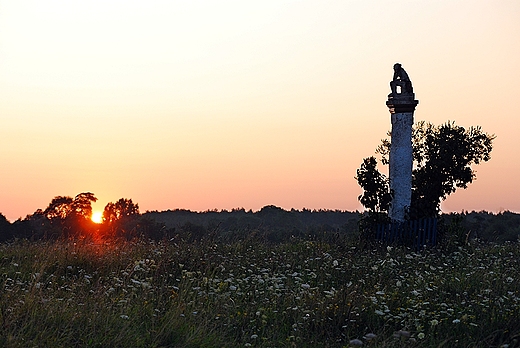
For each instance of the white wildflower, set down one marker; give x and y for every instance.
(356, 342)
(369, 336)
(402, 333)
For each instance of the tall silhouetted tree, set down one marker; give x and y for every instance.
(82, 205)
(120, 209)
(443, 156)
(59, 208)
(376, 196)
(70, 216)
(120, 219)
(5, 228)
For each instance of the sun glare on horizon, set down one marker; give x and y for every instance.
(97, 217)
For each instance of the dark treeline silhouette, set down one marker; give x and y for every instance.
(270, 224)
(69, 218)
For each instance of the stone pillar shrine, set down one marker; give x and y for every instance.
(401, 103)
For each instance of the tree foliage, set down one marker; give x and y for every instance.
(120, 209)
(376, 196)
(443, 156)
(59, 208)
(63, 207)
(66, 216)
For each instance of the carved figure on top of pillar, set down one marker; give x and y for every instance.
(402, 98)
(400, 85)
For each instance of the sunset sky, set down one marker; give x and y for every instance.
(225, 104)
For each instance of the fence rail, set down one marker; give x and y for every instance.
(416, 233)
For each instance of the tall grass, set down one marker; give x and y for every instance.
(298, 294)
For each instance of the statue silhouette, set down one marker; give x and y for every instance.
(401, 80)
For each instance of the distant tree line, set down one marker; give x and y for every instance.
(270, 224)
(70, 218)
(66, 217)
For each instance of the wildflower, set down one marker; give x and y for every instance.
(434, 322)
(402, 333)
(356, 342)
(369, 336)
(335, 263)
(420, 335)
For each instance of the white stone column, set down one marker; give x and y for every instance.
(401, 104)
(400, 166)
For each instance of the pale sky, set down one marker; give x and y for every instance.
(225, 104)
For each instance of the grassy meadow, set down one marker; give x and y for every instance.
(250, 294)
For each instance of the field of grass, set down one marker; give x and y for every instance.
(249, 294)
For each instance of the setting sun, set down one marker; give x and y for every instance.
(97, 217)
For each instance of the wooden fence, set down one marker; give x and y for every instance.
(415, 233)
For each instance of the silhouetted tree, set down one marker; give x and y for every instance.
(121, 219)
(62, 207)
(59, 208)
(442, 155)
(122, 208)
(5, 229)
(376, 196)
(70, 216)
(82, 205)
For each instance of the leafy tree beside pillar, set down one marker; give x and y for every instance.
(443, 157)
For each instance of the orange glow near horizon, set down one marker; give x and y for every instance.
(207, 105)
(97, 217)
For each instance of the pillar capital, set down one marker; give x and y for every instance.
(398, 105)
